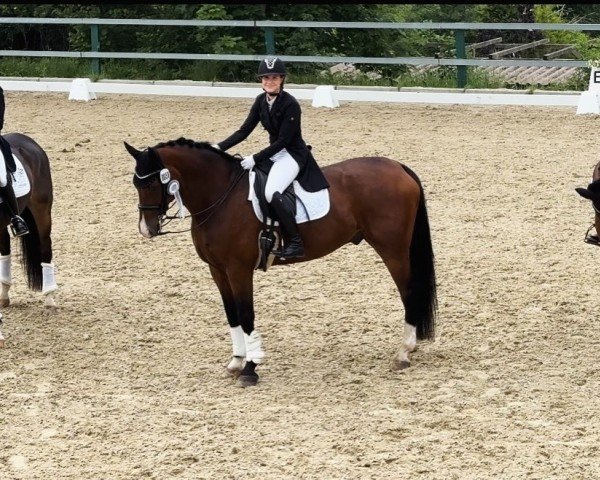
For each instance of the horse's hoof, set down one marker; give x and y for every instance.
(4, 302)
(247, 380)
(399, 365)
(233, 372)
(49, 302)
(235, 366)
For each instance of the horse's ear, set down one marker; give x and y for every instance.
(132, 151)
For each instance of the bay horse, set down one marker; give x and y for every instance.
(592, 192)
(372, 198)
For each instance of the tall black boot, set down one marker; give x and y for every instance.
(293, 248)
(17, 224)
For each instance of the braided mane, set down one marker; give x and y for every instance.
(186, 142)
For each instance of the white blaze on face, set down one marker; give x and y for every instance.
(144, 230)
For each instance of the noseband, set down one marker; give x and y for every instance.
(146, 181)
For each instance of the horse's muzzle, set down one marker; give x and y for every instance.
(149, 230)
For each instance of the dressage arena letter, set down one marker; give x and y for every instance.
(589, 101)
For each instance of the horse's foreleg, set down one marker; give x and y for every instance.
(236, 364)
(5, 279)
(241, 279)
(5, 267)
(1, 336)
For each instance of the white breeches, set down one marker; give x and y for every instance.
(283, 172)
(3, 174)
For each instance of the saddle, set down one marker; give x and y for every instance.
(11, 166)
(269, 237)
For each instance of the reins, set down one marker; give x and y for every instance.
(219, 201)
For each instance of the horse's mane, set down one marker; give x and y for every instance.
(186, 142)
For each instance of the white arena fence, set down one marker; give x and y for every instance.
(326, 96)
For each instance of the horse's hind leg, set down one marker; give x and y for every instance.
(400, 272)
(43, 219)
(397, 260)
(5, 267)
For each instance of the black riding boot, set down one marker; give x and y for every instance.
(17, 224)
(293, 248)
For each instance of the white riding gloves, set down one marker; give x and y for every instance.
(248, 162)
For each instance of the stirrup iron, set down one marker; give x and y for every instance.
(18, 226)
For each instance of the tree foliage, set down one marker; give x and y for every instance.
(288, 41)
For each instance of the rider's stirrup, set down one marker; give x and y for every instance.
(18, 226)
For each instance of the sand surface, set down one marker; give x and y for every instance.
(125, 380)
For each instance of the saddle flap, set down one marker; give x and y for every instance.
(260, 181)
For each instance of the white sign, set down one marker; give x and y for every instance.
(594, 85)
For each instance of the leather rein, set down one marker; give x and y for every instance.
(163, 207)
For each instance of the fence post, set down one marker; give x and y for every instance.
(95, 33)
(270, 40)
(461, 52)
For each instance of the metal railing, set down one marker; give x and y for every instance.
(268, 27)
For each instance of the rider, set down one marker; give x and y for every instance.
(17, 224)
(287, 157)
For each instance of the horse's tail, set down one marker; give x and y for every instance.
(32, 256)
(422, 297)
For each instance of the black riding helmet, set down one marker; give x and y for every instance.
(271, 66)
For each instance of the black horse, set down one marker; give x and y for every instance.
(592, 192)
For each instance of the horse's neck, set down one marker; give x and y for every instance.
(204, 178)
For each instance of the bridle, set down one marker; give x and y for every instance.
(165, 205)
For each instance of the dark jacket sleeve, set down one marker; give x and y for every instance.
(2, 106)
(289, 131)
(246, 129)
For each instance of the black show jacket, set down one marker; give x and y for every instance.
(285, 131)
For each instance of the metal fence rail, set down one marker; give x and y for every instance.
(461, 61)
